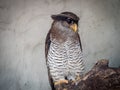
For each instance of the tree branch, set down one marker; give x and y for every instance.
(100, 77)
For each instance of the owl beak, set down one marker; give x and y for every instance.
(74, 27)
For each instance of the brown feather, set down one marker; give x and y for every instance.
(79, 41)
(47, 45)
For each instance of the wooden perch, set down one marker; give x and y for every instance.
(100, 77)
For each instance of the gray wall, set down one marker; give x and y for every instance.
(23, 28)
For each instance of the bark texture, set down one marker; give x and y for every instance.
(100, 77)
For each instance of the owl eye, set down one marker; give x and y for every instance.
(69, 21)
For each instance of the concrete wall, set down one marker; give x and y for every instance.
(23, 28)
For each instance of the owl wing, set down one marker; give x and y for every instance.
(47, 45)
(79, 41)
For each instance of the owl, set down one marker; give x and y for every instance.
(63, 49)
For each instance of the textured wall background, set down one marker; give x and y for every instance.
(23, 28)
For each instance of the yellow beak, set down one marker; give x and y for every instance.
(74, 27)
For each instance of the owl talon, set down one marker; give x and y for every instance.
(77, 80)
(60, 82)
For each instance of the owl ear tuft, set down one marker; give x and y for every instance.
(53, 17)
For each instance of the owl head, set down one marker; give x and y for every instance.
(66, 20)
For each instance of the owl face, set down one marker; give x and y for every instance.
(66, 21)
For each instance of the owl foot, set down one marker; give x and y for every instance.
(61, 82)
(77, 80)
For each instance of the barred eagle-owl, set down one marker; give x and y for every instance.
(63, 49)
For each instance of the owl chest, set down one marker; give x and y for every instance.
(64, 53)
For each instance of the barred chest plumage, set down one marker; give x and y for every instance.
(65, 59)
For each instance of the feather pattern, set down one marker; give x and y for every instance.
(63, 49)
(65, 59)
